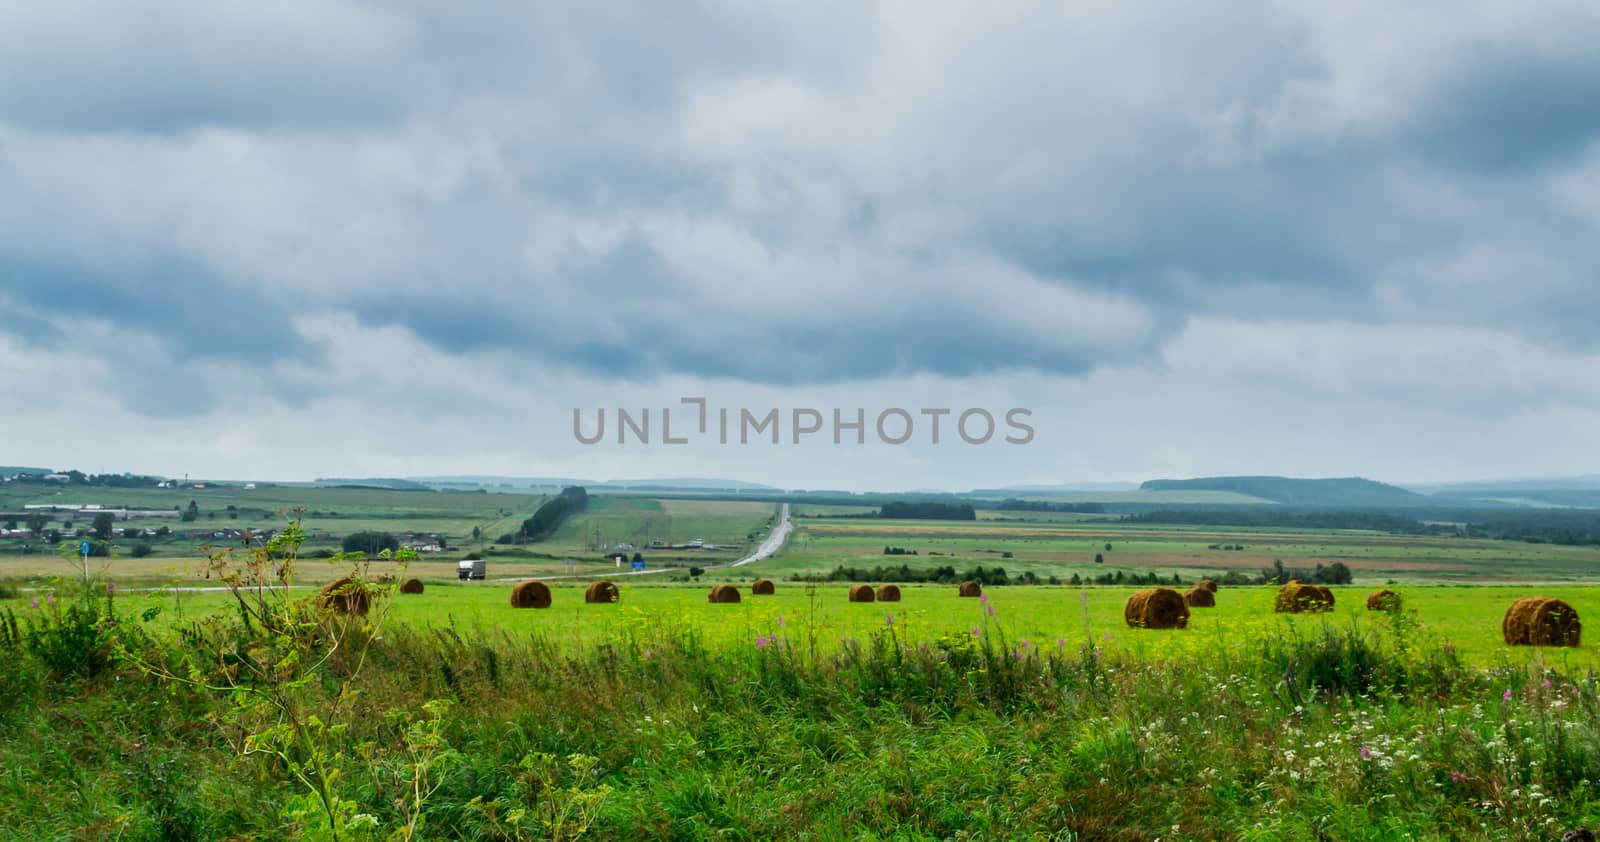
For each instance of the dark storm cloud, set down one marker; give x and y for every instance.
(793, 195)
(190, 310)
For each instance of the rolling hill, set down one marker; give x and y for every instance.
(1349, 492)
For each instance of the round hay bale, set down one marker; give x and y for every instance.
(1538, 621)
(971, 589)
(763, 587)
(888, 593)
(861, 593)
(1208, 584)
(344, 596)
(1198, 597)
(1384, 600)
(1156, 608)
(724, 593)
(1299, 598)
(411, 586)
(601, 591)
(530, 595)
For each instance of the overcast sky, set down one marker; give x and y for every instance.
(296, 239)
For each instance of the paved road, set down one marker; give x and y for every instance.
(771, 545)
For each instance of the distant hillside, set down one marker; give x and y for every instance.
(1554, 498)
(1510, 487)
(1350, 491)
(684, 483)
(390, 483)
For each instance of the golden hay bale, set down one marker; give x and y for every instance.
(1198, 597)
(1208, 584)
(344, 596)
(1156, 608)
(1537, 621)
(763, 587)
(724, 593)
(530, 595)
(411, 586)
(1384, 600)
(971, 589)
(1298, 598)
(601, 591)
(888, 593)
(861, 593)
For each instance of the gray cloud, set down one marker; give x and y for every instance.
(793, 195)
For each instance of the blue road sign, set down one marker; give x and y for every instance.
(85, 547)
(638, 565)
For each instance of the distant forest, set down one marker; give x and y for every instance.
(928, 511)
(1535, 526)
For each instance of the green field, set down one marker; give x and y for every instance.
(1033, 713)
(332, 513)
(1466, 616)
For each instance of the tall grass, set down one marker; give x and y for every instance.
(1336, 733)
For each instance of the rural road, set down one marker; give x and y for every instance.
(772, 544)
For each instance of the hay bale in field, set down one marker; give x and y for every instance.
(601, 591)
(1156, 608)
(888, 593)
(411, 586)
(1299, 598)
(1198, 597)
(1208, 584)
(724, 593)
(1538, 621)
(344, 596)
(530, 595)
(861, 593)
(763, 587)
(971, 589)
(1384, 600)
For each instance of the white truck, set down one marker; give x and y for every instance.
(470, 568)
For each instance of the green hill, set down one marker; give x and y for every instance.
(1347, 492)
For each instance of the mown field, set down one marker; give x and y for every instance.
(1033, 713)
(1064, 547)
(451, 715)
(468, 522)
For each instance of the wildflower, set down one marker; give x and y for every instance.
(1061, 643)
(1507, 696)
(35, 602)
(1366, 753)
(991, 610)
(1547, 684)
(780, 621)
(983, 599)
(762, 641)
(110, 588)
(50, 599)
(1022, 644)
(648, 654)
(976, 631)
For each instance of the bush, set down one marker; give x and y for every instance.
(73, 641)
(141, 550)
(371, 543)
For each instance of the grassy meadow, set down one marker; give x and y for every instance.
(157, 704)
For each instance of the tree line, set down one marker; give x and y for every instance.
(571, 500)
(902, 510)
